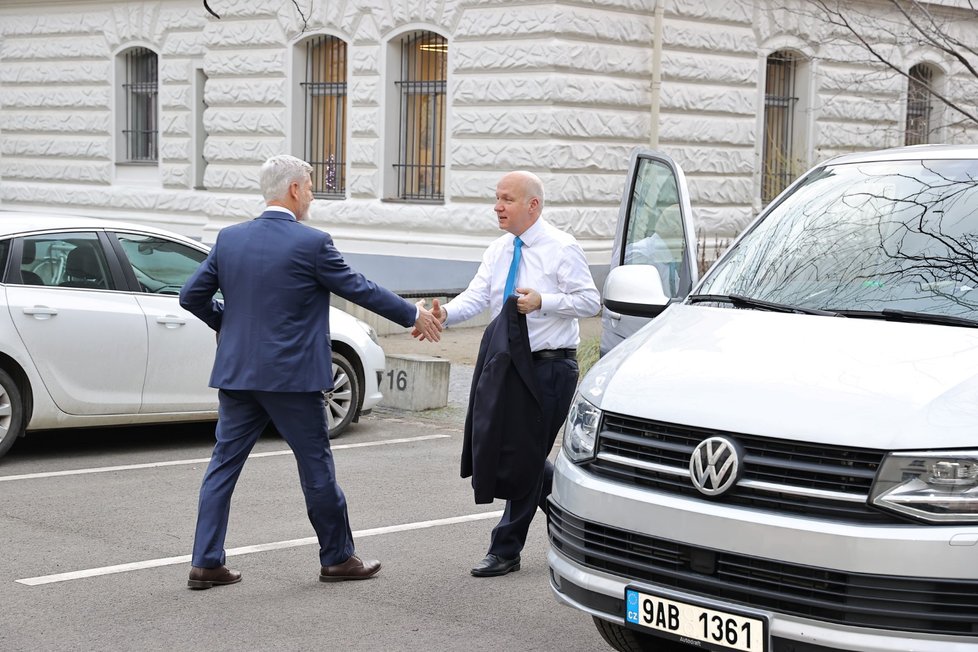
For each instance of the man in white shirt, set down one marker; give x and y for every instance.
(555, 289)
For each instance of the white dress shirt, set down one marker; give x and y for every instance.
(553, 264)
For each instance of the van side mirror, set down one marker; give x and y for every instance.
(635, 290)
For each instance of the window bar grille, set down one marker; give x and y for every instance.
(420, 165)
(140, 91)
(325, 92)
(779, 113)
(919, 105)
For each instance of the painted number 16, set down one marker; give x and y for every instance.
(398, 381)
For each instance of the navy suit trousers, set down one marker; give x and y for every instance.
(301, 420)
(556, 380)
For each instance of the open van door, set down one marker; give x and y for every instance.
(653, 262)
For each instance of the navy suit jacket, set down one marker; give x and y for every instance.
(276, 276)
(503, 446)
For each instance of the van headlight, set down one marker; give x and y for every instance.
(581, 429)
(937, 487)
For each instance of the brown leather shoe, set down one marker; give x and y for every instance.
(205, 578)
(353, 568)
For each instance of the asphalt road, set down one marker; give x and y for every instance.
(97, 558)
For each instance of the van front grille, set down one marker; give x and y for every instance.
(926, 605)
(779, 475)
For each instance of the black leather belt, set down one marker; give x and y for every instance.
(555, 354)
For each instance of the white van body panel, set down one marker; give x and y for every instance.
(762, 373)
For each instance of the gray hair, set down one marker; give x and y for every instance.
(279, 172)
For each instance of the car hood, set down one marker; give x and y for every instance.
(832, 380)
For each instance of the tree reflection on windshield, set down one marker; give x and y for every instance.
(866, 237)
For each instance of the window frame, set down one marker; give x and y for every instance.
(314, 84)
(138, 117)
(418, 117)
(777, 175)
(919, 105)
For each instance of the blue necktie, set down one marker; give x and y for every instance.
(513, 268)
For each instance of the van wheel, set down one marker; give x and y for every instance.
(627, 640)
(343, 401)
(12, 417)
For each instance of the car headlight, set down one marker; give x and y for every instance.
(933, 486)
(581, 430)
(584, 418)
(369, 330)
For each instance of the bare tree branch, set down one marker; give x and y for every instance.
(835, 16)
(305, 21)
(938, 36)
(211, 11)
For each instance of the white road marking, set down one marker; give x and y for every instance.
(247, 550)
(204, 460)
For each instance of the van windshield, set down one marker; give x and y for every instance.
(894, 235)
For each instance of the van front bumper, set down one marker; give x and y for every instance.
(821, 584)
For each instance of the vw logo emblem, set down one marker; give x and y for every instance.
(714, 466)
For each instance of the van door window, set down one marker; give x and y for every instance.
(654, 232)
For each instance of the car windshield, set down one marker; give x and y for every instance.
(881, 236)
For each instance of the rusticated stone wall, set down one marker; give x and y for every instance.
(561, 88)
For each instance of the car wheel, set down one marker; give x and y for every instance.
(627, 640)
(342, 401)
(12, 422)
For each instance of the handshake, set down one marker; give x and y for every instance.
(428, 326)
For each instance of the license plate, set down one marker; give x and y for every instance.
(698, 625)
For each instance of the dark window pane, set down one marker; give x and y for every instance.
(141, 89)
(421, 157)
(324, 93)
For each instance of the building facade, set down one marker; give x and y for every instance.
(157, 111)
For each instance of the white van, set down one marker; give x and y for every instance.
(786, 459)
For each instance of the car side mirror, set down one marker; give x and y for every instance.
(635, 290)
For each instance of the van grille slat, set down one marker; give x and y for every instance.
(791, 465)
(926, 605)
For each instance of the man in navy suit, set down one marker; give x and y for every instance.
(274, 361)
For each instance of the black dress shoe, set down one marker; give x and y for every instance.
(353, 568)
(494, 565)
(205, 578)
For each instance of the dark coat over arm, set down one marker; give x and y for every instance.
(502, 449)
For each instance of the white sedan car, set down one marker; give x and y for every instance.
(93, 334)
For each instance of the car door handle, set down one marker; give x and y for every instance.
(40, 312)
(171, 321)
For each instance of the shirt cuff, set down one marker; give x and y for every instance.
(547, 302)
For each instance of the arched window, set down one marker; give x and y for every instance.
(780, 108)
(140, 116)
(324, 98)
(920, 105)
(420, 162)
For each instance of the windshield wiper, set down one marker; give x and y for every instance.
(912, 317)
(740, 301)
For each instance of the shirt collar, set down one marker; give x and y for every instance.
(534, 233)
(280, 209)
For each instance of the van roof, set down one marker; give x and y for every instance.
(910, 153)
